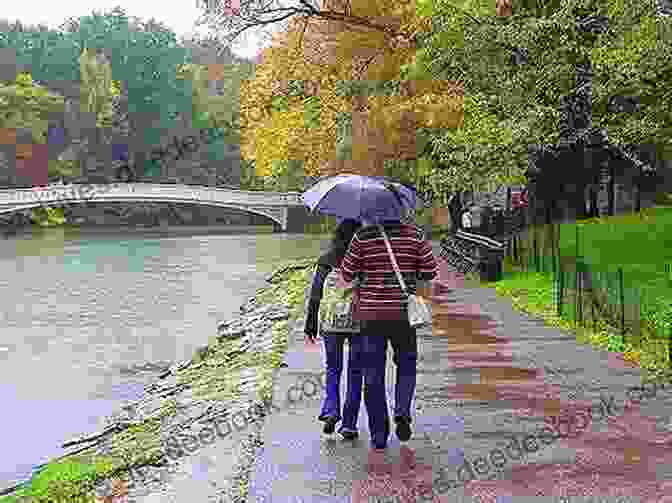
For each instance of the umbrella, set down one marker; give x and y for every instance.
(364, 198)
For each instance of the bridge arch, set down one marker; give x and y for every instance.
(275, 206)
(277, 219)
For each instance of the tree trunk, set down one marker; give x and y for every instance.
(611, 191)
(549, 213)
(594, 210)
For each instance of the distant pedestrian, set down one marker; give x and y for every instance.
(455, 211)
(467, 220)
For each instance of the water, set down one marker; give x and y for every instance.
(81, 310)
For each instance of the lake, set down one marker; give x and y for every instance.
(83, 309)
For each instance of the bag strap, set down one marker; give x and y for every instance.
(394, 261)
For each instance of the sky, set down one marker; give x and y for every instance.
(179, 15)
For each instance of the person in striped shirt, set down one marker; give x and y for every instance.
(382, 311)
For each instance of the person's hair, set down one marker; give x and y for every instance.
(339, 244)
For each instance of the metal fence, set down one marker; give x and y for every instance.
(582, 294)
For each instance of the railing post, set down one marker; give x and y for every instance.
(622, 299)
(580, 294)
(560, 288)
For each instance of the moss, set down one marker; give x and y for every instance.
(70, 481)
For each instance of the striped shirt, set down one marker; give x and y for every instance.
(380, 295)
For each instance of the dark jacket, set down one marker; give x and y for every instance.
(322, 270)
(316, 291)
(325, 264)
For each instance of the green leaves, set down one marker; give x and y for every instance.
(27, 106)
(511, 106)
(97, 89)
(312, 111)
(280, 103)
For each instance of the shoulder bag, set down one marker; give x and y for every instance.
(337, 308)
(419, 314)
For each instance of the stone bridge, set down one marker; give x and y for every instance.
(285, 209)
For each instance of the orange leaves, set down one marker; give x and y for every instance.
(373, 46)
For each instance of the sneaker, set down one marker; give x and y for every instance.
(329, 425)
(403, 429)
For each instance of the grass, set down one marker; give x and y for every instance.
(534, 293)
(638, 244)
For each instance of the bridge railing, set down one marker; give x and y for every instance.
(151, 191)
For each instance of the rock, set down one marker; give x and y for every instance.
(281, 314)
(201, 354)
(176, 367)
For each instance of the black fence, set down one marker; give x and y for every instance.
(582, 294)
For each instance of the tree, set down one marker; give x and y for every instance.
(142, 104)
(516, 68)
(319, 112)
(26, 105)
(221, 73)
(98, 90)
(144, 56)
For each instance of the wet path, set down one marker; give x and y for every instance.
(505, 408)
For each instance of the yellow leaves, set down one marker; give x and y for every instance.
(283, 129)
(631, 47)
(329, 52)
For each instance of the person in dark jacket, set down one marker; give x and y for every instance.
(383, 315)
(333, 343)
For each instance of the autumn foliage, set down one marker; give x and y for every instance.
(294, 107)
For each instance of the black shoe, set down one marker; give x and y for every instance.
(349, 435)
(403, 429)
(329, 425)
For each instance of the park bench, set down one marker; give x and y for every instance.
(467, 252)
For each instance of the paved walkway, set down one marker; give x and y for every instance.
(489, 378)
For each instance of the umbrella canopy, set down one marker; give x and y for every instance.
(364, 198)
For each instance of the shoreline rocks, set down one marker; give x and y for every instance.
(256, 334)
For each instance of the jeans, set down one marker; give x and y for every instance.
(333, 345)
(405, 345)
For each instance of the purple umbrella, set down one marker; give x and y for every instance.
(364, 198)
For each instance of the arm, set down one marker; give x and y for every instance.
(427, 266)
(316, 291)
(352, 262)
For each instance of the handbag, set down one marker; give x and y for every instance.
(335, 316)
(419, 314)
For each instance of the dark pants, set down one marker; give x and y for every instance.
(375, 335)
(333, 346)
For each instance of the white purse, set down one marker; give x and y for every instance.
(419, 313)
